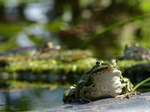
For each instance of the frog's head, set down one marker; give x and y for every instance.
(110, 65)
(113, 64)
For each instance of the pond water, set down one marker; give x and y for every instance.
(30, 99)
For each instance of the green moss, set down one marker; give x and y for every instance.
(125, 64)
(58, 67)
(58, 70)
(19, 85)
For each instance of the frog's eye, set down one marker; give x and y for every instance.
(116, 61)
(98, 62)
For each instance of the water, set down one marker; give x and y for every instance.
(30, 99)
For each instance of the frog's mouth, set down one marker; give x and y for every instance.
(114, 70)
(111, 68)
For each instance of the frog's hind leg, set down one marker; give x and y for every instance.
(85, 100)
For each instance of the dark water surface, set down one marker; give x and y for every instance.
(30, 99)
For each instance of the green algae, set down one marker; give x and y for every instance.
(60, 68)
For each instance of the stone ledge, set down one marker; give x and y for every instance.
(138, 103)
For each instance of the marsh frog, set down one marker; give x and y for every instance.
(136, 52)
(103, 80)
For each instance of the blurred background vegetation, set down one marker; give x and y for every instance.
(71, 23)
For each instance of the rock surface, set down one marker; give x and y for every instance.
(138, 103)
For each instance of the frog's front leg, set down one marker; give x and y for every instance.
(127, 90)
(128, 94)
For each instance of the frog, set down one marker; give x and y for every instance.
(103, 80)
(136, 52)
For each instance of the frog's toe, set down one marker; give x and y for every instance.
(85, 100)
(81, 100)
(136, 93)
(123, 96)
(128, 95)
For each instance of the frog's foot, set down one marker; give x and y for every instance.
(136, 93)
(128, 95)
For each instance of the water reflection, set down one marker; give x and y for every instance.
(30, 99)
(37, 11)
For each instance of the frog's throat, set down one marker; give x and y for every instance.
(116, 71)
